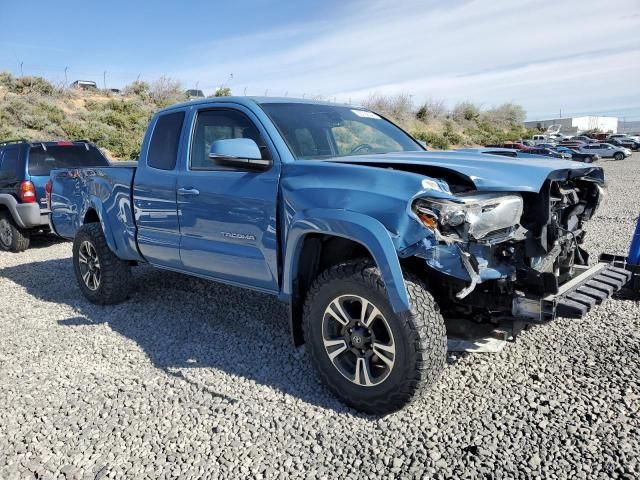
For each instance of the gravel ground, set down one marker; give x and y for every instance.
(191, 379)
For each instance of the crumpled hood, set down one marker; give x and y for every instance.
(486, 172)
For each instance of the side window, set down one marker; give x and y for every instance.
(163, 150)
(222, 124)
(9, 160)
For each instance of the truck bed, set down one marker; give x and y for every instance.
(96, 194)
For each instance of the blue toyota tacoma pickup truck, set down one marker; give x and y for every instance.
(372, 240)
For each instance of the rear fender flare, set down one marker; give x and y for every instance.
(96, 204)
(10, 202)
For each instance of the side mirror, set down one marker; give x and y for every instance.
(239, 153)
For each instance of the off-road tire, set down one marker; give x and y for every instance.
(619, 156)
(420, 337)
(18, 240)
(115, 274)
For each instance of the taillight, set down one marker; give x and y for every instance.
(27, 192)
(47, 189)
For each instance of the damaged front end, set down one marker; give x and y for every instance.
(496, 255)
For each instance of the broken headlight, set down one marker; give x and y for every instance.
(476, 216)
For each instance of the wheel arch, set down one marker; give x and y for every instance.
(325, 238)
(119, 235)
(8, 203)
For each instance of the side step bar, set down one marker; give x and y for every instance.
(631, 291)
(590, 287)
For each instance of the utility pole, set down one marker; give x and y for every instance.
(104, 80)
(21, 72)
(66, 81)
(245, 91)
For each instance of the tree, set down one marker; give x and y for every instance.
(222, 92)
(166, 91)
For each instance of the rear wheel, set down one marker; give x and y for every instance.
(619, 156)
(102, 276)
(372, 358)
(588, 159)
(12, 237)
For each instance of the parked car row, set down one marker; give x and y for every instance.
(631, 142)
(576, 149)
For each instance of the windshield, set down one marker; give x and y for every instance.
(42, 161)
(315, 131)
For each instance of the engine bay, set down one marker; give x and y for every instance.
(490, 248)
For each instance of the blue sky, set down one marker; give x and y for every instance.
(579, 56)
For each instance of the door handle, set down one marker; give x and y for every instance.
(188, 192)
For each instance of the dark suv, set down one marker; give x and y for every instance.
(24, 173)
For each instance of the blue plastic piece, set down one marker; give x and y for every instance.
(634, 249)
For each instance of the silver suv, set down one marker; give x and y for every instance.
(606, 150)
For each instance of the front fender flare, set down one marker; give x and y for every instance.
(360, 228)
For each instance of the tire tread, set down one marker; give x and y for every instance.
(115, 280)
(20, 238)
(423, 322)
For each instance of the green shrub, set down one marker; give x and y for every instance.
(431, 110)
(465, 111)
(25, 85)
(432, 139)
(138, 89)
(397, 107)
(450, 134)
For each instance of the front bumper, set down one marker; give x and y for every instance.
(589, 287)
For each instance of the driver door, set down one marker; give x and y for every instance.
(227, 214)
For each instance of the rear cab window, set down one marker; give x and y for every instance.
(44, 158)
(163, 149)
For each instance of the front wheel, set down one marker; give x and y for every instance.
(372, 358)
(102, 276)
(619, 156)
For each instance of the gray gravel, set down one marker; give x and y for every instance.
(190, 379)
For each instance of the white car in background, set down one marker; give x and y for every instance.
(606, 150)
